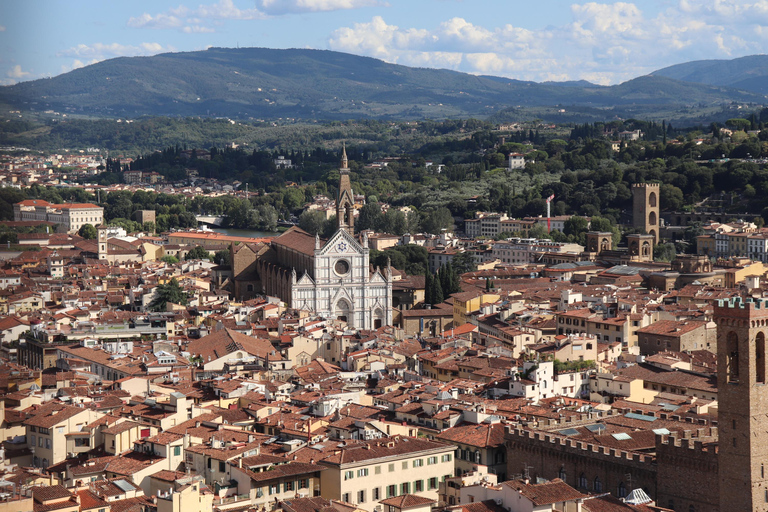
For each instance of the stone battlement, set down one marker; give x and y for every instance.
(649, 185)
(740, 303)
(580, 448)
(688, 442)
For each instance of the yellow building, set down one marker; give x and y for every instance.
(364, 473)
(465, 303)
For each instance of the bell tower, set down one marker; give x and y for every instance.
(742, 325)
(345, 203)
(645, 208)
(102, 240)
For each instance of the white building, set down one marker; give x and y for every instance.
(521, 251)
(339, 283)
(70, 215)
(516, 161)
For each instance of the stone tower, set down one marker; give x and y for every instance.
(345, 203)
(742, 325)
(645, 208)
(102, 240)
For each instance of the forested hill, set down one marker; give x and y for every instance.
(747, 73)
(313, 84)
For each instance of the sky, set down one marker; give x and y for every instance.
(603, 42)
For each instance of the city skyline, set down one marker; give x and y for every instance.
(602, 42)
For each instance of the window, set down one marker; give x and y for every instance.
(622, 490)
(33, 440)
(361, 496)
(431, 460)
(59, 430)
(303, 483)
(222, 466)
(418, 463)
(377, 470)
(405, 488)
(391, 491)
(288, 486)
(598, 485)
(274, 489)
(418, 486)
(345, 497)
(583, 481)
(177, 450)
(376, 494)
(446, 458)
(391, 468)
(433, 483)
(562, 474)
(405, 464)
(349, 475)
(362, 472)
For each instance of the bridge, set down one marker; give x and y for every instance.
(211, 220)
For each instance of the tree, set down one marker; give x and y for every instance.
(664, 252)
(463, 262)
(370, 217)
(436, 220)
(168, 292)
(171, 260)
(222, 257)
(198, 253)
(88, 232)
(312, 221)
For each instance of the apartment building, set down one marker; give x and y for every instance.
(72, 216)
(521, 251)
(364, 473)
(47, 429)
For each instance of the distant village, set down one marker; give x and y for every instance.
(297, 375)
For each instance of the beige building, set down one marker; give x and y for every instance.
(267, 478)
(189, 498)
(46, 431)
(71, 216)
(364, 473)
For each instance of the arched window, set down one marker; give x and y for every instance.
(652, 200)
(732, 351)
(583, 481)
(45, 463)
(760, 358)
(652, 218)
(598, 485)
(622, 490)
(249, 287)
(562, 474)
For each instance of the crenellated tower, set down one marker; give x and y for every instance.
(742, 325)
(645, 208)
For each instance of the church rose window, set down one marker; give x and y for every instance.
(342, 267)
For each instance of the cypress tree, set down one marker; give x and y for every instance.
(438, 292)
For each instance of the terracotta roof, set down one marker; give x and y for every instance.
(227, 341)
(553, 491)
(298, 240)
(407, 501)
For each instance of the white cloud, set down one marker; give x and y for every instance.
(278, 7)
(602, 42)
(16, 73)
(2, 28)
(100, 51)
(194, 21)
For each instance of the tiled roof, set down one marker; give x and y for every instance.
(407, 501)
(553, 491)
(298, 240)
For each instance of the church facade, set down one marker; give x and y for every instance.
(332, 278)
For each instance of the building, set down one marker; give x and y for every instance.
(70, 216)
(743, 398)
(666, 335)
(364, 473)
(645, 208)
(516, 161)
(332, 278)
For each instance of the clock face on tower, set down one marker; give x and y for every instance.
(342, 246)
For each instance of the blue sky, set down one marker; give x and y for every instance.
(604, 42)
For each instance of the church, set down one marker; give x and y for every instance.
(330, 278)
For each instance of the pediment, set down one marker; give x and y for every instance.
(305, 280)
(342, 244)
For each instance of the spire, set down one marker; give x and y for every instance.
(344, 159)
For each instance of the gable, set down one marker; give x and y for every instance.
(342, 243)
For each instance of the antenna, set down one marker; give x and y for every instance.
(527, 473)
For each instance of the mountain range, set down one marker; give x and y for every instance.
(262, 83)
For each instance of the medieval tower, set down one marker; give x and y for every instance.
(645, 208)
(742, 325)
(345, 203)
(102, 240)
